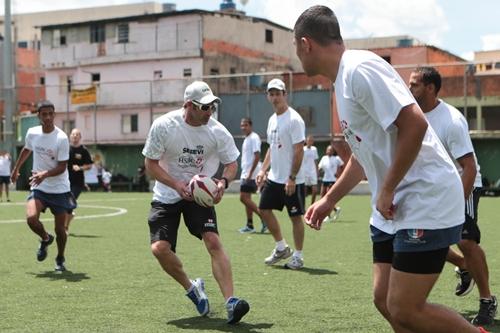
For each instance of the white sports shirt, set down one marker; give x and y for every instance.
(309, 161)
(4, 165)
(48, 150)
(370, 94)
(452, 129)
(283, 132)
(184, 150)
(250, 146)
(330, 165)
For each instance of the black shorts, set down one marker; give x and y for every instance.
(248, 186)
(5, 180)
(76, 190)
(164, 220)
(58, 203)
(273, 197)
(471, 228)
(328, 184)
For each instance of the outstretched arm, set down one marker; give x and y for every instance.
(23, 156)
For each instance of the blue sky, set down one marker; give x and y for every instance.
(458, 26)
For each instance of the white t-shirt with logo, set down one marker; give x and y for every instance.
(309, 162)
(251, 145)
(184, 150)
(283, 132)
(370, 94)
(330, 165)
(48, 150)
(5, 165)
(452, 129)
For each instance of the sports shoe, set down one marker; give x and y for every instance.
(198, 297)
(236, 309)
(336, 214)
(487, 312)
(295, 263)
(247, 230)
(278, 255)
(263, 229)
(465, 283)
(41, 254)
(60, 264)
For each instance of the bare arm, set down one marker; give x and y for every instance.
(298, 154)
(228, 173)
(23, 156)
(411, 126)
(469, 171)
(261, 175)
(157, 172)
(256, 158)
(39, 176)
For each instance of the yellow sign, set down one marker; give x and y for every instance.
(83, 96)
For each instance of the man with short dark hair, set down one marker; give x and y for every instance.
(49, 181)
(451, 127)
(417, 197)
(181, 144)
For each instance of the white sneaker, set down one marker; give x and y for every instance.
(295, 263)
(336, 214)
(278, 255)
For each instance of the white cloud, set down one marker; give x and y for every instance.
(490, 42)
(469, 55)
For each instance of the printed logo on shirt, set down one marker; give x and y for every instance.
(191, 158)
(274, 138)
(352, 139)
(78, 156)
(45, 153)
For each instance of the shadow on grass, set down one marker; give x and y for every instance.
(218, 324)
(309, 270)
(56, 276)
(83, 236)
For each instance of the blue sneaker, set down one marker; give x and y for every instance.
(247, 230)
(236, 309)
(198, 297)
(41, 254)
(60, 267)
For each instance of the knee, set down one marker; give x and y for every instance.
(380, 302)
(160, 249)
(401, 314)
(243, 199)
(467, 246)
(212, 242)
(31, 219)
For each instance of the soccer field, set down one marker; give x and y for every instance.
(114, 284)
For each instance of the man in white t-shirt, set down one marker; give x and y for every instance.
(329, 164)
(310, 167)
(49, 181)
(452, 129)
(250, 166)
(417, 197)
(5, 162)
(181, 144)
(284, 185)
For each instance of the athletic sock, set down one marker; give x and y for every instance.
(297, 254)
(281, 245)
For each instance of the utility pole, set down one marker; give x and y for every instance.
(8, 81)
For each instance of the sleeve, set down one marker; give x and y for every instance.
(226, 148)
(298, 130)
(458, 140)
(63, 149)
(154, 146)
(379, 89)
(256, 144)
(87, 159)
(321, 164)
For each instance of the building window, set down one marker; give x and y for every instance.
(56, 38)
(22, 45)
(42, 80)
(269, 36)
(62, 40)
(97, 33)
(214, 71)
(130, 123)
(96, 77)
(157, 75)
(123, 32)
(187, 72)
(232, 70)
(68, 125)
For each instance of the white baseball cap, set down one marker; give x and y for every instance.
(200, 92)
(276, 84)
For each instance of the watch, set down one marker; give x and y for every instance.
(292, 177)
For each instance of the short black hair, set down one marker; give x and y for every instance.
(430, 75)
(247, 120)
(44, 104)
(320, 24)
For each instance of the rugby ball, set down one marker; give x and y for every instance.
(203, 189)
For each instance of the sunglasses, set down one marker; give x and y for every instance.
(205, 107)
